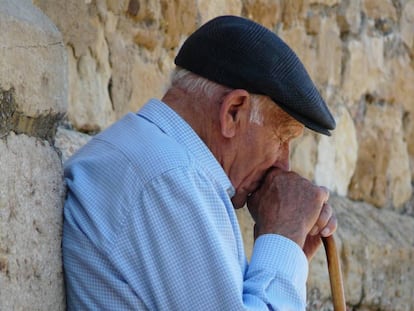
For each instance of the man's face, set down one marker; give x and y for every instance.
(263, 145)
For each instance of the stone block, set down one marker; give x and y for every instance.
(364, 67)
(328, 161)
(382, 175)
(246, 227)
(400, 87)
(379, 9)
(144, 11)
(409, 138)
(304, 154)
(337, 155)
(293, 12)
(90, 106)
(32, 62)
(69, 141)
(148, 85)
(265, 11)
(313, 23)
(31, 198)
(73, 19)
(119, 7)
(349, 16)
(146, 38)
(89, 70)
(178, 19)
(329, 53)
(407, 24)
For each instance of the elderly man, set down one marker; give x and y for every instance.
(149, 220)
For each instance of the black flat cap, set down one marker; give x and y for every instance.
(241, 54)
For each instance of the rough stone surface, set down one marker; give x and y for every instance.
(324, 2)
(382, 176)
(68, 142)
(379, 9)
(376, 250)
(33, 99)
(329, 53)
(93, 110)
(408, 123)
(101, 87)
(349, 16)
(407, 21)
(337, 155)
(304, 155)
(268, 12)
(329, 161)
(364, 67)
(31, 59)
(31, 195)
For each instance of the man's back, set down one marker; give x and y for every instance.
(123, 231)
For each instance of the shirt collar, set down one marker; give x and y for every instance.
(172, 124)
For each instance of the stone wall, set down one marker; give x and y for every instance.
(33, 98)
(88, 62)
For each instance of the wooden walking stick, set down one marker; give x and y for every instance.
(335, 274)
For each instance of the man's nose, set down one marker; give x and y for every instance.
(283, 161)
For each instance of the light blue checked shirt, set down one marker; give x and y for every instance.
(149, 225)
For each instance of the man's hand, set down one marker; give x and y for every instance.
(292, 206)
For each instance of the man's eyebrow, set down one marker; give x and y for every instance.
(293, 130)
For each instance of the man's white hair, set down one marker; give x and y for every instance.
(195, 84)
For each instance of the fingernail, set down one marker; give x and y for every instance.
(325, 232)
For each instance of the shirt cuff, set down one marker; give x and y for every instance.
(275, 253)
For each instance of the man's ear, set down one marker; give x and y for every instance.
(234, 111)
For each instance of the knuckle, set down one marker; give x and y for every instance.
(326, 212)
(334, 220)
(272, 175)
(322, 194)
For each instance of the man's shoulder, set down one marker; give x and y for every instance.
(137, 144)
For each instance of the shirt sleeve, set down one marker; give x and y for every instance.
(277, 274)
(179, 249)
